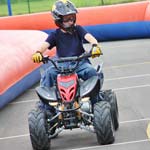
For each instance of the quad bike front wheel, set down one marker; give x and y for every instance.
(103, 123)
(110, 97)
(49, 113)
(37, 128)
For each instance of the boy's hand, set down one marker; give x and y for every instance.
(96, 51)
(37, 57)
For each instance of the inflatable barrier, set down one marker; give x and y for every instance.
(131, 20)
(18, 72)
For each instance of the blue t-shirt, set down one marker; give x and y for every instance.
(67, 44)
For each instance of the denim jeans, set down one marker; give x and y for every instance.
(84, 71)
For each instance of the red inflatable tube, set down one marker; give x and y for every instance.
(17, 47)
(130, 12)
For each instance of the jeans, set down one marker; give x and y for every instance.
(85, 70)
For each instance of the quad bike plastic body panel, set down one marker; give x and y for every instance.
(47, 94)
(88, 86)
(85, 89)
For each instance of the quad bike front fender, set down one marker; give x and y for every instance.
(47, 94)
(90, 86)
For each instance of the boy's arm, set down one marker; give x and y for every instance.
(91, 39)
(43, 47)
(96, 50)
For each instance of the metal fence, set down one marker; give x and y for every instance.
(17, 7)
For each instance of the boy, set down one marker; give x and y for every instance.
(68, 39)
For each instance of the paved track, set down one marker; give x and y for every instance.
(126, 69)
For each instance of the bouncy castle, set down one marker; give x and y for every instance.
(20, 37)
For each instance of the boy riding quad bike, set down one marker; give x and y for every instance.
(70, 88)
(74, 103)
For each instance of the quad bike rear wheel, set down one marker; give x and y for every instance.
(110, 97)
(37, 128)
(103, 123)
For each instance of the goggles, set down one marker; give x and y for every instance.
(68, 18)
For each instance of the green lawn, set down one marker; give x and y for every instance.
(23, 7)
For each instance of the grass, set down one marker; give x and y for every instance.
(23, 7)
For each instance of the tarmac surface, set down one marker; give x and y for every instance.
(126, 69)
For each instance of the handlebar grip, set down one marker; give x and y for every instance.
(45, 59)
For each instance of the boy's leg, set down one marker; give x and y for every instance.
(85, 71)
(48, 78)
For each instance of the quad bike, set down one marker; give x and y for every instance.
(71, 106)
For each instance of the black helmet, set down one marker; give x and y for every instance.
(62, 8)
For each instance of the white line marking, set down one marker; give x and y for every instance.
(131, 87)
(127, 77)
(134, 121)
(122, 122)
(126, 45)
(116, 144)
(27, 101)
(14, 137)
(127, 65)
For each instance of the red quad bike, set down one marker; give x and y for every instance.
(70, 100)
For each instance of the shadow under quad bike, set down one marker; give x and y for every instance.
(71, 106)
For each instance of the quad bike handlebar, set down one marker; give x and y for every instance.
(76, 59)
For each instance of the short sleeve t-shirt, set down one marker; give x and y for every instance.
(67, 44)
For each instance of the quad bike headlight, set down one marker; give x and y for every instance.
(86, 104)
(85, 99)
(53, 104)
